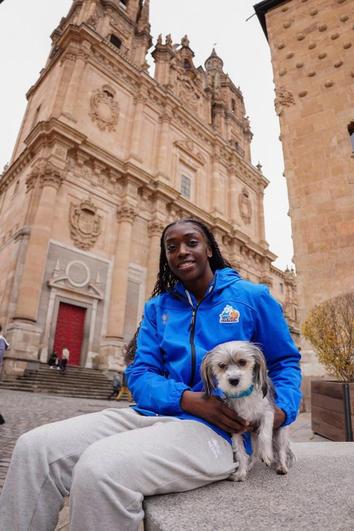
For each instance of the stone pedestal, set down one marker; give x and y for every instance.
(24, 339)
(111, 356)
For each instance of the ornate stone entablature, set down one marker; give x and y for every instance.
(245, 206)
(104, 110)
(85, 224)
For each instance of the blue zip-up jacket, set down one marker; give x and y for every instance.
(176, 333)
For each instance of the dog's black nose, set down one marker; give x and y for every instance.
(234, 381)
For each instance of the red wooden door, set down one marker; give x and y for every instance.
(70, 331)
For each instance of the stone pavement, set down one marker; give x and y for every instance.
(24, 411)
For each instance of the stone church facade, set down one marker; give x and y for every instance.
(312, 47)
(105, 157)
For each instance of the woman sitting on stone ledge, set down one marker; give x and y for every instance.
(174, 439)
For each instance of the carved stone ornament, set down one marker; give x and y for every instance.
(104, 110)
(47, 175)
(85, 224)
(245, 206)
(284, 98)
(191, 149)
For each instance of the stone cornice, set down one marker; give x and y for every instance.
(11, 173)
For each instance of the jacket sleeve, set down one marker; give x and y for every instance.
(151, 389)
(282, 356)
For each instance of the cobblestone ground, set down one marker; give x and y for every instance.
(25, 411)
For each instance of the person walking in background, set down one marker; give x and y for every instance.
(116, 386)
(3, 346)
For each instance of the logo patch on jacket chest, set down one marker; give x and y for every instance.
(229, 315)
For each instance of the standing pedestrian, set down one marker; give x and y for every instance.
(3, 346)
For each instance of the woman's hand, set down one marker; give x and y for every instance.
(214, 410)
(279, 417)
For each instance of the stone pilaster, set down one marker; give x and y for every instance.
(49, 179)
(126, 215)
(215, 185)
(23, 334)
(163, 159)
(233, 206)
(135, 143)
(155, 228)
(77, 68)
(111, 350)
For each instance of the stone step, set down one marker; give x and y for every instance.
(76, 382)
(99, 395)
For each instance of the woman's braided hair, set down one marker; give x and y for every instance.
(166, 280)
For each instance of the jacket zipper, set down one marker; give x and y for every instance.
(192, 332)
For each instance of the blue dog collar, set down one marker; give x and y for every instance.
(243, 394)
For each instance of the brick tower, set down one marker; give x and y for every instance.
(312, 47)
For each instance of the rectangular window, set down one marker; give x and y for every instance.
(281, 287)
(186, 186)
(123, 4)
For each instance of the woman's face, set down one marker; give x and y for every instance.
(187, 253)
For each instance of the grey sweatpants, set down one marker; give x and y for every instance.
(108, 462)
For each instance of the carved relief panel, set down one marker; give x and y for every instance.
(85, 224)
(104, 109)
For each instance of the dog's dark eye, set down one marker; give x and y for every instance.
(222, 365)
(242, 363)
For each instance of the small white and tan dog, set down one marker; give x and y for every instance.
(238, 369)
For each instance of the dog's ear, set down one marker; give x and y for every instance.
(260, 371)
(207, 374)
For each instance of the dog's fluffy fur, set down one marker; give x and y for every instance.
(234, 367)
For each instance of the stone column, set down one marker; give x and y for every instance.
(22, 332)
(126, 215)
(155, 229)
(111, 350)
(215, 185)
(135, 142)
(30, 284)
(260, 216)
(233, 205)
(163, 159)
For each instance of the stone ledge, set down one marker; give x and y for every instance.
(317, 494)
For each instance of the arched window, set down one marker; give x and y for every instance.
(187, 64)
(115, 41)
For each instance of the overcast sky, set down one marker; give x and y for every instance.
(25, 28)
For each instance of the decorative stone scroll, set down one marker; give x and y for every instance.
(104, 110)
(284, 98)
(85, 224)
